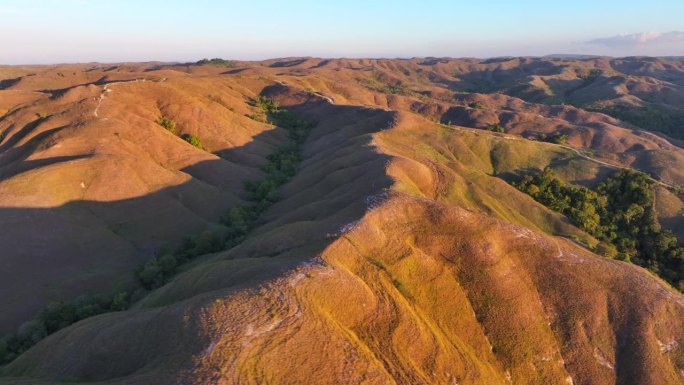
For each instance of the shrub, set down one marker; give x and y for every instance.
(263, 193)
(150, 275)
(168, 124)
(395, 89)
(257, 118)
(167, 263)
(207, 242)
(495, 128)
(556, 137)
(476, 105)
(120, 301)
(267, 105)
(194, 140)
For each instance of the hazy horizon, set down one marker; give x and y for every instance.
(256, 60)
(107, 31)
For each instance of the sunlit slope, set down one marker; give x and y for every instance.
(437, 294)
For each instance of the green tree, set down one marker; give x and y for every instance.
(620, 213)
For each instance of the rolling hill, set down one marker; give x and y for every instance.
(399, 252)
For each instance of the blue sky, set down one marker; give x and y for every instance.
(52, 31)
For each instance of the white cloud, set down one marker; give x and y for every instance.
(641, 39)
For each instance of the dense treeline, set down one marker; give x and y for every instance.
(235, 225)
(56, 316)
(620, 214)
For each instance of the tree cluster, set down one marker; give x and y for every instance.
(620, 214)
(217, 62)
(57, 316)
(556, 137)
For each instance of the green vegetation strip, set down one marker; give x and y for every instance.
(620, 214)
(235, 226)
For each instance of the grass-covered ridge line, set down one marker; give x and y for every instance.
(235, 225)
(620, 214)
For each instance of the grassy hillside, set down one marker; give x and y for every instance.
(397, 253)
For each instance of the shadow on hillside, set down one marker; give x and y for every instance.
(86, 247)
(7, 83)
(5, 148)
